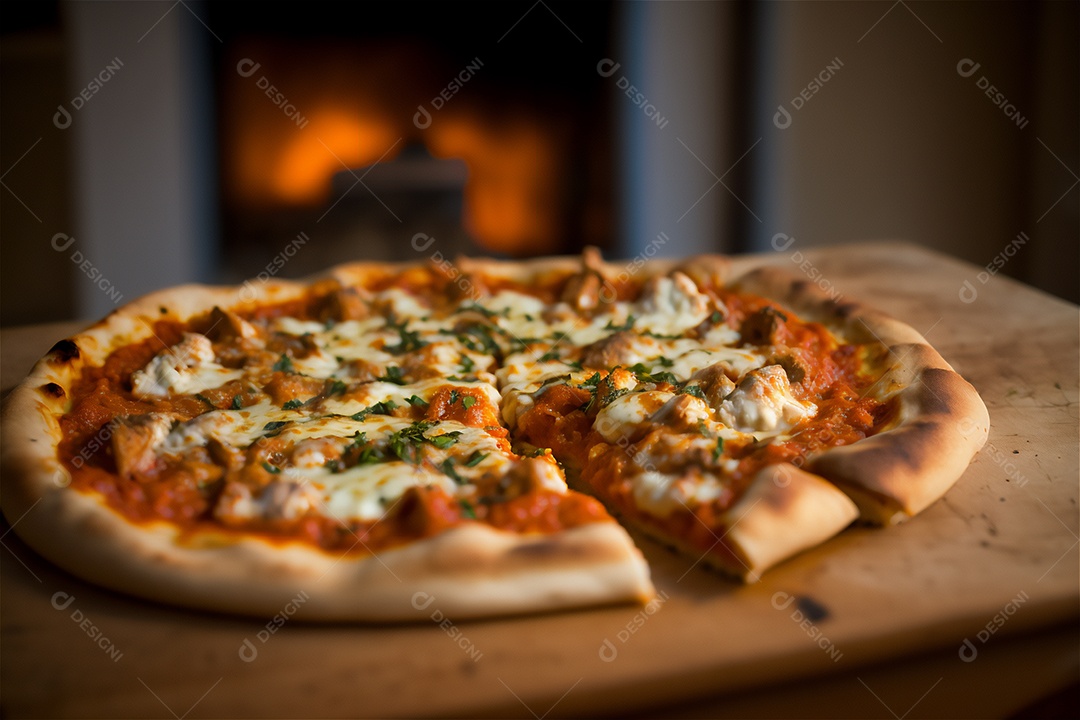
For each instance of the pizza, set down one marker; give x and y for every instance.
(479, 435)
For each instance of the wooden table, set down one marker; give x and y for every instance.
(889, 610)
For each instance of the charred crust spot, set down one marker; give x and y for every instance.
(846, 310)
(536, 549)
(52, 390)
(163, 310)
(64, 351)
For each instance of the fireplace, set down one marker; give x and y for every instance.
(495, 137)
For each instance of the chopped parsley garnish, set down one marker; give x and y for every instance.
(337, 387)
(393, 375)
(200, 396)
(292, 404)
(358, 441)
(406, 443)
(409, 340)
(475, 459)
(575, 364)
(719, 449)
(445, 440)
(274, 426)
(447, 466)
(272, 469)
(694, 390)
(370, 456)
(379, 408)
(467, 509)
(630, 319)
(665, 362)
(415, 401)
(643, 375)
(454, 395)
(550, 355)
(334, 465)
(468, 401)
(478, 339)
(237, 402)
(284, 364)
(592, 381)
(559, 336)
(466, 363)
(475, 307)
(717, 317)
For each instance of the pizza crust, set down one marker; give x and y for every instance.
(940, 424)
(784, 512)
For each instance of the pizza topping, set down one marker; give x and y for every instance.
(623, 347)
(766, 326)
(715, 383)
(134, 439)
(627, 418)
(671, 305)
(186, 367)
(762, 401)
(583, 291)
(343, 304)
(390, 409)
(227, 326)
(278, 500)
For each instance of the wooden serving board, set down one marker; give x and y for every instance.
(1002, 544)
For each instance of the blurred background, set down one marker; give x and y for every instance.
(144, 145)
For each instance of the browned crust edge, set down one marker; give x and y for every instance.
(941, 421)
(784, 512)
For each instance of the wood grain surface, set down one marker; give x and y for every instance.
(1002, 544)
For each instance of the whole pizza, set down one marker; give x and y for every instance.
(482, 433)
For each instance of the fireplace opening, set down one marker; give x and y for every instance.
(491, 133)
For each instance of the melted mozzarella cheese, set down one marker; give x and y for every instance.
(626, 416)
(185, 368)
(661, 494)
(671, 305)
(763, 401)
